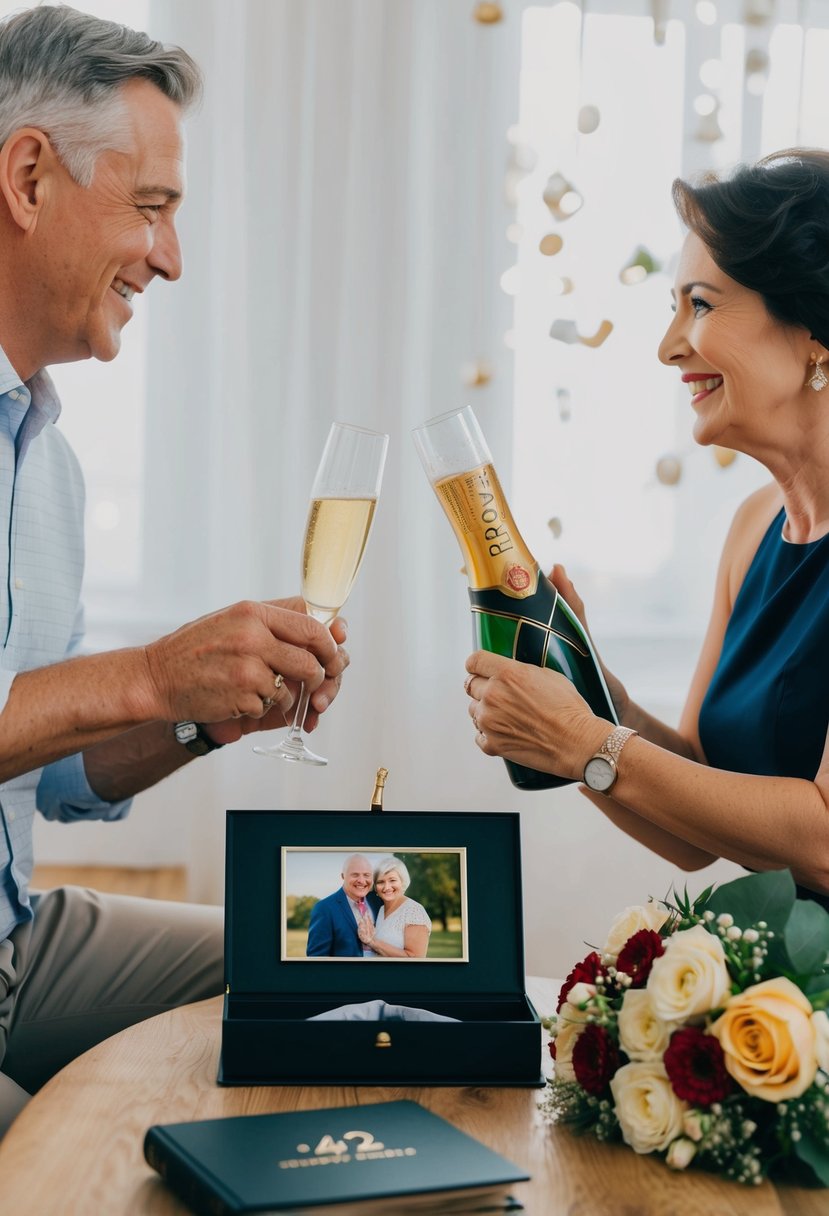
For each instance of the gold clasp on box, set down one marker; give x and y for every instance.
(383, 1039)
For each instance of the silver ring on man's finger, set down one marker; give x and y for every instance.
(278, 681)
(267, 703)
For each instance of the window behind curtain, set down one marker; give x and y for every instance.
(591, 425)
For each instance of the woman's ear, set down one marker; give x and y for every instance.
(26, 159)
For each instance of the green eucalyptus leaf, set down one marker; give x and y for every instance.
(769, 896)
(814, 1153)
(806, 936)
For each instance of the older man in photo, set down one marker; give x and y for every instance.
(336, 919)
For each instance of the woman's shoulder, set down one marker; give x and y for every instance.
(414, 913)
(750, 523)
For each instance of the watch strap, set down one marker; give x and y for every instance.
(195, 738)
(615, 741)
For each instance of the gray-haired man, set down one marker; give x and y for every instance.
(91, 178)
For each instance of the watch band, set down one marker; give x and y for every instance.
(615, 741)
(192, 736)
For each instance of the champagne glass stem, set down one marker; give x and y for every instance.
(298, 724)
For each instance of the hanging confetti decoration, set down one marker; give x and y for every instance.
(551, 244)
(555, 526)
(565, 330)
(589, 119)
(487, 13)
(477, 374)
(668, 470)
(724, 456)
(562, 197)
(563, 402)
(641, 264)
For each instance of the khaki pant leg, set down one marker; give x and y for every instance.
(97, 963)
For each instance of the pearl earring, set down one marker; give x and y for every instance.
(818, 379)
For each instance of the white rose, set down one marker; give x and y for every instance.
(649, 1112)
(690, 978)
(630, 921)
(642, 1035)
(680, 1154)
(821, 1024)
(580, 994)
(571, 1022)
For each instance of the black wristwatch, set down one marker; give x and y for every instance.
(192, 736)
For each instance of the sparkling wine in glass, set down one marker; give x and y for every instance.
(343, 501)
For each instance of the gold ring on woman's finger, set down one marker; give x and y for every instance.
(278, 681)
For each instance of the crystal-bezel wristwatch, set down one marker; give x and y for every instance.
(601, 770)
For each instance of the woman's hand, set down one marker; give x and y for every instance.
(365, 930)
(564, 586)
(531, 716)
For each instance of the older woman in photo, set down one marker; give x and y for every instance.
(402, 925)
(746, 774)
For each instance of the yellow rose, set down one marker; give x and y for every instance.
(642, 1035)
(649, 1112)
(769, 1040)
(821, 1024)
(571, 1022)
(690, 978)
(630, 921)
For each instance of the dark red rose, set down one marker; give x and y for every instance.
(637, 955)
(584, 972)
(695, 1065)
(595, 1059)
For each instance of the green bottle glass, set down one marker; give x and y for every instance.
(516, 610)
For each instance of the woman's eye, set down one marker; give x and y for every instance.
(699, 305)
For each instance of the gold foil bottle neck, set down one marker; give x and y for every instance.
(379, 786)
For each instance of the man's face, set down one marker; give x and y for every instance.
(357, 878)
(99, 245)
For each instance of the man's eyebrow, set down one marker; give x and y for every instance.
(167, 191)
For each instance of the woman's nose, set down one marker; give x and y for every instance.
(674, 344)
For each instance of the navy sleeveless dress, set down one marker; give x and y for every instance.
(767, 707)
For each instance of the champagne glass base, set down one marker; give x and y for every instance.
(292, 750)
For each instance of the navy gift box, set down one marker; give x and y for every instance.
(266, 1037)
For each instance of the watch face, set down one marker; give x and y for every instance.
(599, 774)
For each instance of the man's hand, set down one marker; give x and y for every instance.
(222, 668)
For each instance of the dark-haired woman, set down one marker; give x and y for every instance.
(746, 774)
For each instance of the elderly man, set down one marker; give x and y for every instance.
(91, 178)
(335, 919)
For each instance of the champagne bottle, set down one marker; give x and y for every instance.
(516, 611)
(379, 785)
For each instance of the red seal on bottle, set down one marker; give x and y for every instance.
(517, 578)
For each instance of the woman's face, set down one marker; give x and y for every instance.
(389, 886)
(743, 368)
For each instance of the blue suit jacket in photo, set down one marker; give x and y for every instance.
(333, 929)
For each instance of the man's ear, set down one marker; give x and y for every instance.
(26, 159)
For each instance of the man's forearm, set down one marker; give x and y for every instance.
(68, 707)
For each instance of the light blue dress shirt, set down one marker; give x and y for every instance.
(41, 617)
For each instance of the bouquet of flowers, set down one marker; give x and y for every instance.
(700, 1031)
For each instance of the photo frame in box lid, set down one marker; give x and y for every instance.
(296, 883)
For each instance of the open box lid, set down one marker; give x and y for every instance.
(273, 856)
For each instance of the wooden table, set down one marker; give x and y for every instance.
(76, 1149)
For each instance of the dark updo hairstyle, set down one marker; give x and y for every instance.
(767, 227)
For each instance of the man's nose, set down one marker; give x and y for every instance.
(165, 255)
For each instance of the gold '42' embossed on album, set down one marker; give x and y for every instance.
(376, 949)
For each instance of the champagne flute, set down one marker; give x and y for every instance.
(343, 500)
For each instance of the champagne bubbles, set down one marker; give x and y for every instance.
(668, 470)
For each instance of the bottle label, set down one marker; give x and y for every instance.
(496, 556)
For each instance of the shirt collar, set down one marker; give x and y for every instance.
(35, 401)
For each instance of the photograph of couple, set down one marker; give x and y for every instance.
(397, 907)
